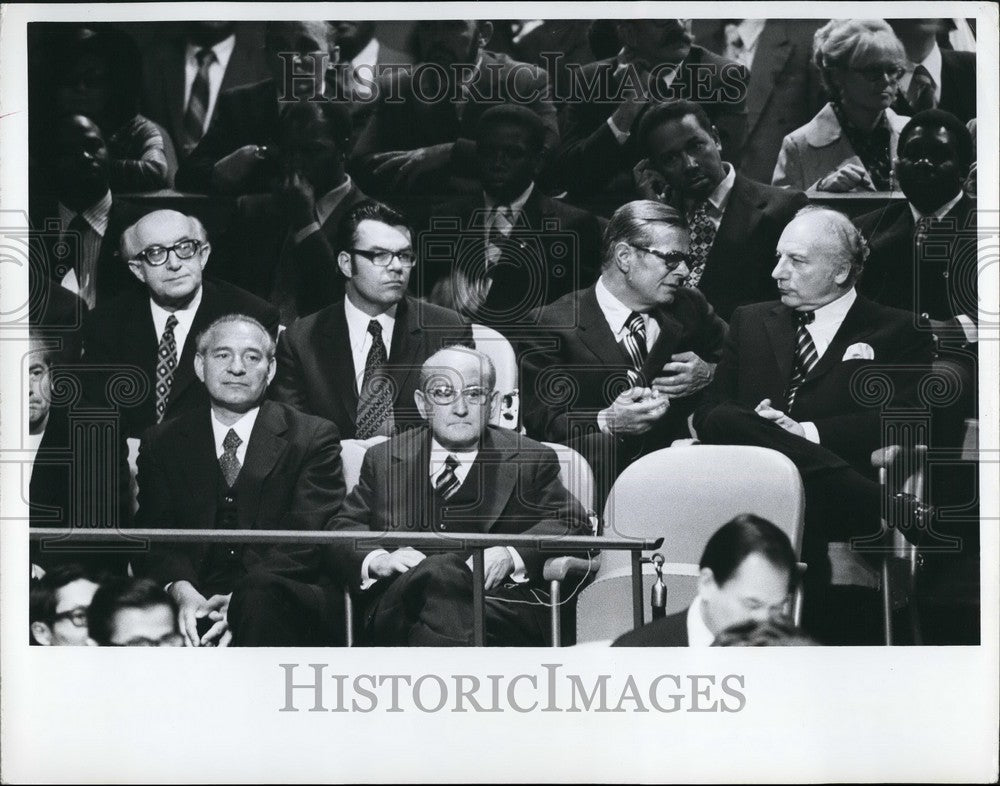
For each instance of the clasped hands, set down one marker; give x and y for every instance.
(497, 561)
(193, 606)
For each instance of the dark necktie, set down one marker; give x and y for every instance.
(228, 462)
(702, 236)
(84, 261)
(375, 401)
(500, 225)
(805, 354)
(447, 482)
(920, 95)
(635, 344)
(166, 362)
(197, 108)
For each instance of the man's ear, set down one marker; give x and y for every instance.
(272, 367)
(204, 251)
(423, 406)
(484, 32)
(494, 405)
(843, 274)
(41, 633)
(199, 367)
(137, 271)
(706, 581)
(623, 257)
(715, 136)
(344, 263)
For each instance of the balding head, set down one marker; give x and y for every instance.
(167, 251)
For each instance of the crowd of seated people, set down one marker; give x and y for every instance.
(627, 203)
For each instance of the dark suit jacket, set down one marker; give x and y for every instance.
(410, 123)
(163, 75)
(667, 632)
(785, 89)
(113, 275)
(120, 334)
(64, 464)
(553, 250)
(316, 371)
(937, 276)
(291, 479)
(258, 254)
(56, 313)
(245, 115)
(590, 162)
(520, 492)
(757, 363)
(739, 265)
(958, 86)
(577, 368)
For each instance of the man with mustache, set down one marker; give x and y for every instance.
(658, 62)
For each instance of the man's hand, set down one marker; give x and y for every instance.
(297, 199)
(498, 566)
(848, 178)
(635, 411)
(405, 166)
(189, 602)
(766, 411)
(401, 560)
(649, 182)
(216, 608)
(686, 373)
(230, 172)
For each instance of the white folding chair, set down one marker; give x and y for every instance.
(684, 494)
(497, 348)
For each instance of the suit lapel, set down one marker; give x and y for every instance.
(409, 469)
(200, 468)
(774, 44)
(337, 364)
(407, 341)
(498, 479)
(781, 332)
(743, 211)
(267, 443)
(595, 333)
(671, 331)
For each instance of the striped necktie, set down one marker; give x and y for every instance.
(635, 344)
(806, 356)
(166, 362)
(447, 482)
(197, 108)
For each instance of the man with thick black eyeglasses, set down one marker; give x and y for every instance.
(631, 353)
(152, 330)
(357, 361)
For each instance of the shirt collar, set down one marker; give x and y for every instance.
(516, 205)
(368, 56)
(359, 319)
(96, 215)
(698, 633)
(329, 201)
(185, 316)
(243, 428)
(439, 454)
(941, 212)
(833, 313)
(223, 50)
(932, 63)
(719, 197)
(615, 312)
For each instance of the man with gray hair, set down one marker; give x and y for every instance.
(153, 331)
(618, 367)
(241, 462)
(456, 474)
(793, 378)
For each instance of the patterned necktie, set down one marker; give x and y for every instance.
(702, 236)
(375, 401)
(920, 94)
(166, 362)
(805, 354)
(635, 344)
(227, 461)
(447, 482)
(197, 108)
(500, 225)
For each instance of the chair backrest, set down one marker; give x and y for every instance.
(352, 453)
(684, 494)
(577, 476)
(498, 349)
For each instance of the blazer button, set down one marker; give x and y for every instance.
(232, 552)
(230, 500)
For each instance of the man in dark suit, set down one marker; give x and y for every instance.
(458, 474)
(357, 361)
(233, 156)
(935, 78)
(734, 222)
(657, 63)
(617, 368)
(745, 575)
(79, 223)
(279, 246)
(796, 384)
(153, 330)
(497, 256)
(185, 72)
(241, 463)
(785, 90)
(420, 140)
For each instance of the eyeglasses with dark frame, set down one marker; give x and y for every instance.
(445, 394)
(672, 261)
(381, 257)
(157, 255)
(77, 616)
(876, 73)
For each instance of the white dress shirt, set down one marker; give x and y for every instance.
(361, 339)
(617, 314)
(82, 278)
(216, 71)
(243, 428)
(715, 204)
(933, 65)
(698, 633)
(185, 317)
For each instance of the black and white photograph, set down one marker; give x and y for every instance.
(460, 388)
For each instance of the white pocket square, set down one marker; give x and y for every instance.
(859, 351)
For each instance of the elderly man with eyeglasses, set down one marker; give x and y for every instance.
(456, 474)
(152, 329)
(357, 361)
